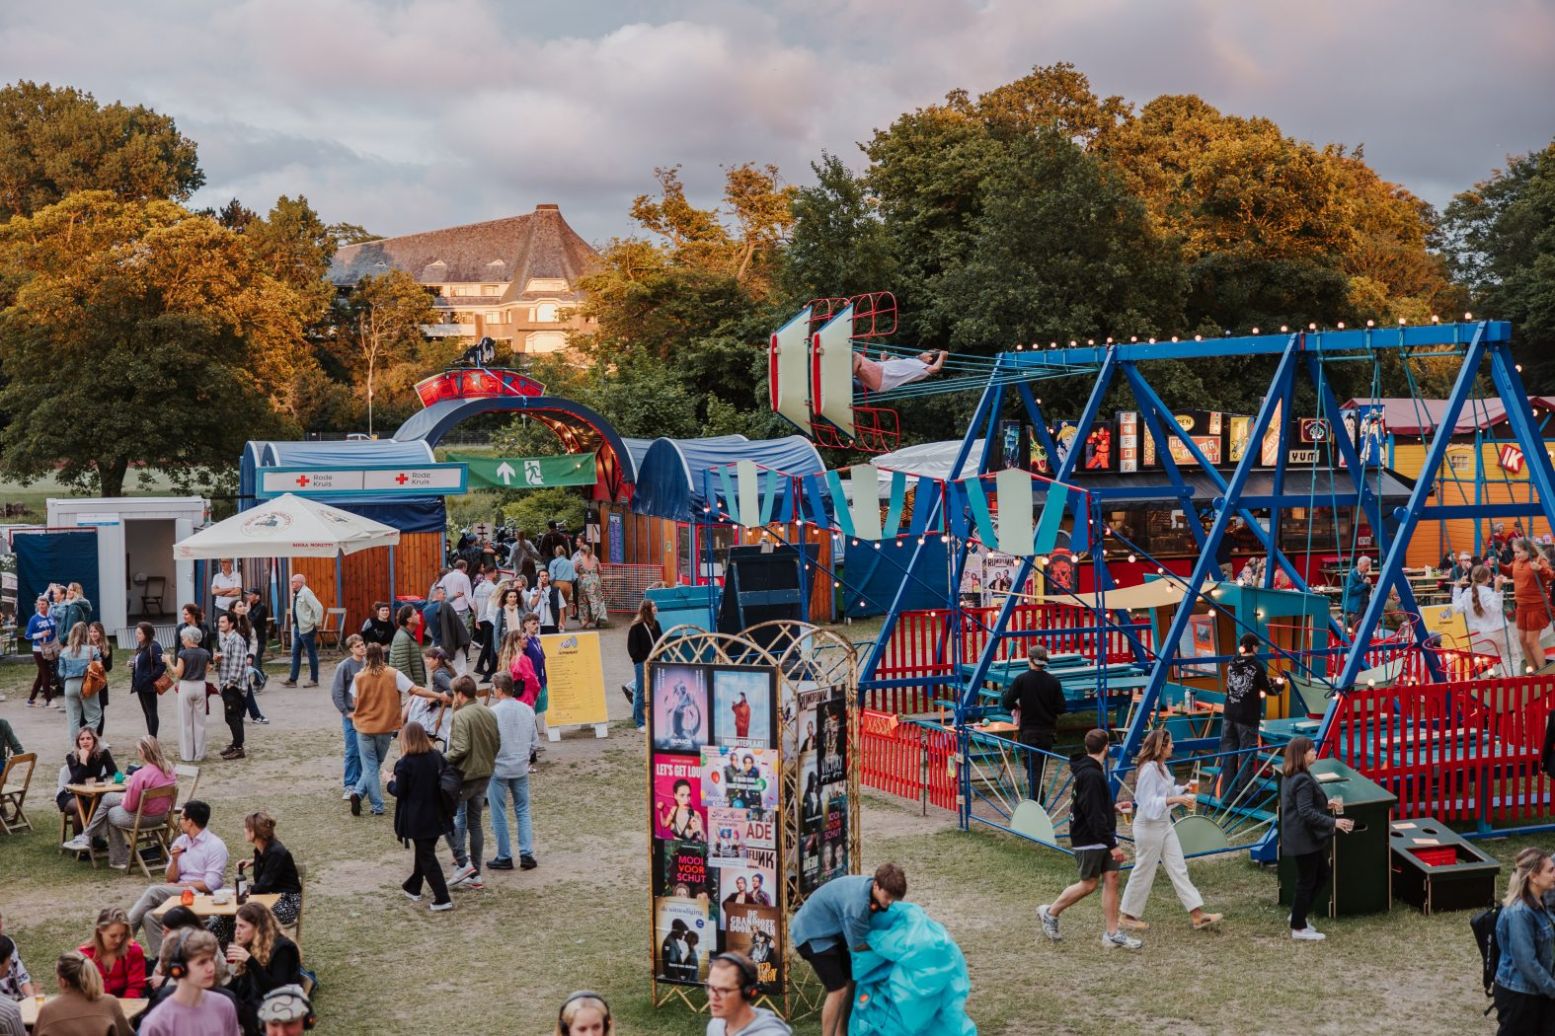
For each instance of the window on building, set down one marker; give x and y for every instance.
(488, 289)
(546, 313)
(494, 316)
(546, 342)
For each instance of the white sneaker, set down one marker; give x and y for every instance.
(412, 896)
(345, 796)
(1049, 923)
(1307, 934)
(79, 844)
(1116, 940)
(460, 876)
(438, 908)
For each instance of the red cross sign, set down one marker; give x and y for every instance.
(402, 478)
(303, 480)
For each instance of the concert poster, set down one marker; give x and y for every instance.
(834, 837)
(682, 871)
(741, 778)
(832, 722)
(753, 931)
(680, 716)
(727, 828)
(742, 706)
(678, 811)
(685, 939)
(740, 884)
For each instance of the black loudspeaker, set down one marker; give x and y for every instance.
(764, 586)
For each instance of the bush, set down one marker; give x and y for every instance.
(532, 508)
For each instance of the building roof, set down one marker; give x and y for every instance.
(1407, 416)
(499, 251)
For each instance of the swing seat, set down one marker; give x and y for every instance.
(1308, 696)
(1031, 821)
(1199, 834)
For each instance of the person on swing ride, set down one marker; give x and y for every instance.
(884, 375)
(1530, 574)
(1483, 614)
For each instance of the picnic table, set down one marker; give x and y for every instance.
(133, 1007)
(206, 907)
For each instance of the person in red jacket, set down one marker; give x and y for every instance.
(119, 959)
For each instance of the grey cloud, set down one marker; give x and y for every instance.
(417, 114)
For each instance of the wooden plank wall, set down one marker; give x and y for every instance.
(364, 576)
(417, 561)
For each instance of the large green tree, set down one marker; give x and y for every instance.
(379, 347)
(1500, 235)
(135, 333)
(55, 140)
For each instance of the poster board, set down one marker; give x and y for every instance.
(753, 789)
(575, 682)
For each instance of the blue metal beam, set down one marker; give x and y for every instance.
(1393, 562)
(1206, 560)
(1328, 343)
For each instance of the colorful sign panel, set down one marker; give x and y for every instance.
(384, 480)
(572, 469)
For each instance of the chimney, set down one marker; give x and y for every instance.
(548, 207)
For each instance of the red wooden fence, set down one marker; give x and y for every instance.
(908, 760)
(1466, 750)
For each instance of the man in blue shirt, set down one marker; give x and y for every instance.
(833, 923)
(1357, 591)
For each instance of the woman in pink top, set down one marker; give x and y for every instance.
(116, 815)
(526, 683)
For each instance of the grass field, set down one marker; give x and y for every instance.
(34, 495)
(503, 960)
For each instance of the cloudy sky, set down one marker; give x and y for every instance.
(404, 115)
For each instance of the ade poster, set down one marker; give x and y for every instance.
(714, 790)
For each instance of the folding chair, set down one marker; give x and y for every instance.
(181, 771)
(333, 628)
(152, 831)
(14, 783)
(294, 931)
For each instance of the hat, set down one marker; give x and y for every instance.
(285, 1004)
(251, 590)
(1037, 655)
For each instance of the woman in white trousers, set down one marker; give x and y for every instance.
(189, 670)
(1155, 841)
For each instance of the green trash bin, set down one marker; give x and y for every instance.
(1363, 877)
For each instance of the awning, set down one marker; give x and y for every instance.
(287, 527)
(1157, 593)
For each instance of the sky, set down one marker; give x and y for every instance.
(405, 115)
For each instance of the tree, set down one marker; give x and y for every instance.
(295, 247)
(137, 333)
(839, 246)
(381, 344)
(55, 140)
(1500, 239)
(351, 234)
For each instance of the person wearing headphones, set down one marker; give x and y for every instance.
(731, 991)
(192, 1007)
(287, 1011)
(585, 1013)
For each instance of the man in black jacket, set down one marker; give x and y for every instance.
(1040, 698)
(1246, 687)
(1093, 837)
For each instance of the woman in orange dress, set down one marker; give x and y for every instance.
(1531, 574)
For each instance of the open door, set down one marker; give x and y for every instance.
(183, 571)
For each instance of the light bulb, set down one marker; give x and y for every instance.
(1132, 559)
(1283, 329)
(1468, 316)
(1255, 330)
(1400, 321)
(1341, 325)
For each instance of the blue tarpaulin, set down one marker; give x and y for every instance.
(912, 981)
(676, 480)
(407, 514)
(53, 557)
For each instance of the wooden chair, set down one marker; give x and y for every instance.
(294, 931)
(181, 771)
(152, 594)
(14, 782)
(65, 816)
(332, 631)
(151, 831)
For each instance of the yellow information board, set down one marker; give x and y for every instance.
(575, 679)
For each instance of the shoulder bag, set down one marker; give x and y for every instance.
(95, 680)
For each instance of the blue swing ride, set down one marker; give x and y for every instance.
(984, 505)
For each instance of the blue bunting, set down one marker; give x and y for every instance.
(912, 980)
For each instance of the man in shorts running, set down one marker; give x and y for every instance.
(833, 923)
(1093, 835)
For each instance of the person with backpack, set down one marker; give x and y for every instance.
(1524, 987)
(421, 812)
(1305, 831)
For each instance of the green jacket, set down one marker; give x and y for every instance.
(405, 655)
(474, 741)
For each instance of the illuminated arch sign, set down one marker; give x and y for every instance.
(476, 383)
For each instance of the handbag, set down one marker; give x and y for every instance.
(163, 683)
(211, 689)
(95, 680)
(50, 651)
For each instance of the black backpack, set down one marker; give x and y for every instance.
(449, 781)
(1483, 925)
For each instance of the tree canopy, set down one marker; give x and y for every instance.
(55, 140)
